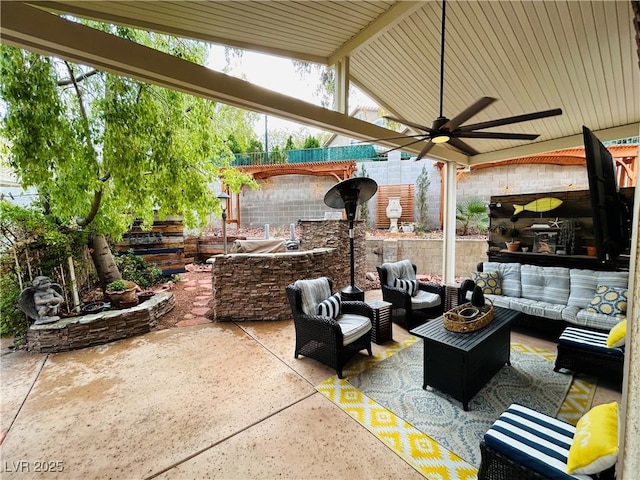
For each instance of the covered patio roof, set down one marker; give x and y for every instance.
(531, 55)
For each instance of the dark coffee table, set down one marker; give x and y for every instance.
(460, 364)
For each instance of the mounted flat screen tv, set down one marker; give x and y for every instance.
(611, 215)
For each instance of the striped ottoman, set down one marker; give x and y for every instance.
(524, 444)
(586, 351)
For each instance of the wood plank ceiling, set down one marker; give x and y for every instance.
(580, 56)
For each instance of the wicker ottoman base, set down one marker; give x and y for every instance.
(497, 466)
(587, 361)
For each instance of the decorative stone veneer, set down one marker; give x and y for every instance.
(98, 328)
(251, 287)
(335, 234)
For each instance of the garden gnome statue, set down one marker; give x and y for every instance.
(394, 212)
(41, 301)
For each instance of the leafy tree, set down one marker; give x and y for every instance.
(364, 208)
(472, 214)
(289, 145)
(311, 142)
(422, 186)
(103, 150)
(276, 155)
(232, 143)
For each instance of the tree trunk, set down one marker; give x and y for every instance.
(103, 261)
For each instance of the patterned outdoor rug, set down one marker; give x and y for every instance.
(429, 429)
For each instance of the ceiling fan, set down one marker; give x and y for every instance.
(445, 130)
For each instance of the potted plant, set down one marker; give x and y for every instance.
(122, 292)
(514, 244)
(509, 231)
(567, 235)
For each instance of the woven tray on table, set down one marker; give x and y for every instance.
(453, 321)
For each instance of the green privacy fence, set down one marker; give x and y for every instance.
(324, 154)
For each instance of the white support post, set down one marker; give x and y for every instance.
(449, 227)
(342, 86)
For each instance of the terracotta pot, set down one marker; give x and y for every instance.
(513, 246)
(127, 297)
(591, 251)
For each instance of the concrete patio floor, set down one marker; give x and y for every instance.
(216, 400)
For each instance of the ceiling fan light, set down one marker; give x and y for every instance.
(441, 138)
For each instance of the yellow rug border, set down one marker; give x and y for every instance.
(416, 448)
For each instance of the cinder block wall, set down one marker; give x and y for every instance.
(426, 254)
(518, 179)
(286, 199)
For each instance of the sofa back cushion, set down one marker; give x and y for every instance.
(547, 284)
(585, 282)
(509, 274)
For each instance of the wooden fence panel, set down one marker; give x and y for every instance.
(405, 192)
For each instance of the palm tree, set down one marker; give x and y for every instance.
(470, 214)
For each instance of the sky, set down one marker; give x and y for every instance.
(278, 74)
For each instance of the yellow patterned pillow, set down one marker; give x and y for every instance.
(594, 447)
(610, 301)
(617, 335)
(489, 282)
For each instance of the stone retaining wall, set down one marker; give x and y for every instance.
(98, 328)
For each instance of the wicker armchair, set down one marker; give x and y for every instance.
(410, 311)
(328, 340)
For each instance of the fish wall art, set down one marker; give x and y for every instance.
(539, 205)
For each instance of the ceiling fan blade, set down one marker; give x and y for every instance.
(409, 124)
(509, 120)
(463, 147)
(469, 112)
(405, 145)
(374, 140)
(425, 150)
(498, 135)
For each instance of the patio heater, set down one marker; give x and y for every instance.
(348, 194)
(224, 201)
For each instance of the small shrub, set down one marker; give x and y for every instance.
(135, 269)
(116, 286)
(12, 319)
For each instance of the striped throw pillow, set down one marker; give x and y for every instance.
(331, 307)
(410, 286)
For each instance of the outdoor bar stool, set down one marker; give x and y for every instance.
(586, 351)
(525, 444)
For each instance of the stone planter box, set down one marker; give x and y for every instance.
(98, 328)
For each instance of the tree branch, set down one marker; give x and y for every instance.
(95, 206)
(74, 80)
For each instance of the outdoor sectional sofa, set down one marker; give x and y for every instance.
(549, 298)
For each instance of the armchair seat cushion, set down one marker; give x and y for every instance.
(353, 326)
(425, 299)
